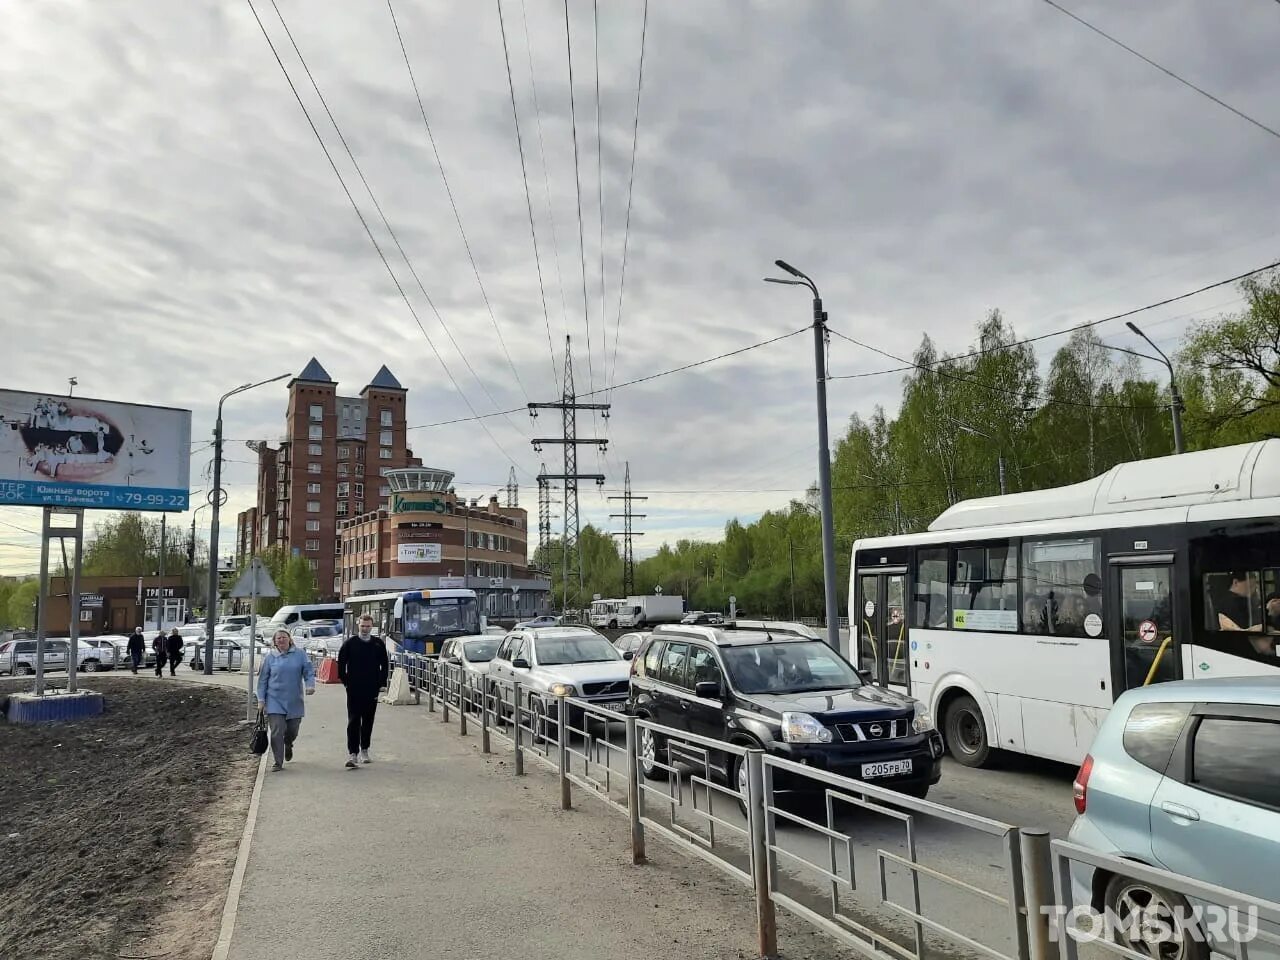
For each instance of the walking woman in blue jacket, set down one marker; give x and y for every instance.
(286, 672)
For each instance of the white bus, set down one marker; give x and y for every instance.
(418, 621)
(1020, 619)
(604, 613)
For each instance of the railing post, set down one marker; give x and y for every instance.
(633, 792)
(766, 920)
(1037, 893)
(464, 685)
(445, 685)
(562, 740)
(484, 717)
(430, 671)
(517, 736)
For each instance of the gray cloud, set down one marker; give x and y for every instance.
(172, 229)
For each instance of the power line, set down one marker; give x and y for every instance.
(365, 224)
(546, 176)
(577, 180)
(528, 199)
(1058, 333)
(484, 294)
(1165, 70)
(629, 383)
(960, 378)
(595, 29)
(14, 526)
(631, 181)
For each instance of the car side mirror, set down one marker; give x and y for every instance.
(520, 663)
(863, 675)
(629, 655)
(708, 690)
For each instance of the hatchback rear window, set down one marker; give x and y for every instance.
(1152, 731)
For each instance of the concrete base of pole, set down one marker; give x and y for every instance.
(53, 707)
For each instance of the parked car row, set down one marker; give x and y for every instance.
(18, 657)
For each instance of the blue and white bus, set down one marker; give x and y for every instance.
(418, 621)
(1020, 619)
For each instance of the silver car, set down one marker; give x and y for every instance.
(629, 643)
(227, 655)
(1182, 776)
(550, 662)
(473, 654)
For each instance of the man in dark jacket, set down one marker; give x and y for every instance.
(159, 645)
(363, 669)
(137, 647)
(173, 646)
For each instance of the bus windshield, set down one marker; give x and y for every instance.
(443, 617)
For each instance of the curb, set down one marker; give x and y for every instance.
(223, 947)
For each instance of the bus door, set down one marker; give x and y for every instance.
(881, 627)
(1144, 627)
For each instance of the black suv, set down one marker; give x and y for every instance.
(792, 696)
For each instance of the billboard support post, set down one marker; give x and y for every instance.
(42, 598)
(48, 533)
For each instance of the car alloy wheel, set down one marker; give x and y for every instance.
(90, 666)
(21, 669)
(1146, 921)
(649, 754)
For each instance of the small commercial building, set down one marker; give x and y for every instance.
(429, 538)
(115, 605)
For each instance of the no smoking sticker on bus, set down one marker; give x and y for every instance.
(1147, 631)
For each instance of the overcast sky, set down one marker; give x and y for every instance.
(171, 227)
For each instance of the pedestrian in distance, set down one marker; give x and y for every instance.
(173, 647)
(160, 644)
(363, 669)
(285, 673)
(137, 648)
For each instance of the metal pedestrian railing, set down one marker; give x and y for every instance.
(872, 868)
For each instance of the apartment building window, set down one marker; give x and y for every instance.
(282, 528)
(315, 431)
(313, 564)
(359, 489)
(313, 546)
(384, 491)
(384, 453)
(317, 412)
(313, 506)
(344, 453)
(344, 489)
(337, 585)
(337, 547)
(359, 469)
(360, 453)
(313, 488)
(315, 450)
(359, 506)
(384, 438)
(313, 526)
(342, 508)
(282, 492)
(313, 467)
(384, 417)
(344, 469)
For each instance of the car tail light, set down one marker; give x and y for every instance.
(1080, 787)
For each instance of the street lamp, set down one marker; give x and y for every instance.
(215, 499)
(824, 453)
(1175, 398)
(974, 431)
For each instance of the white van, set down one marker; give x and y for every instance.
(293, 614)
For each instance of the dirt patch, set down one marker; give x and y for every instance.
(118, 834)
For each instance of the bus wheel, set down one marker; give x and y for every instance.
(966, 732)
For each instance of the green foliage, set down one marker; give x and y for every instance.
(128, 545)
(292, 576)
(21, 609)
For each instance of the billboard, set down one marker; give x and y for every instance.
(418, 553)
(80, 452)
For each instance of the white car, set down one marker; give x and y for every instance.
(228, 654)
(472, 653)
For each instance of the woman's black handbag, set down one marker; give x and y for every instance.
(259, 743)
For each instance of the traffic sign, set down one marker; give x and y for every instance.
(1147, 631)
(255, 582)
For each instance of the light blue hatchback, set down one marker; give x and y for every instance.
(1184, 776)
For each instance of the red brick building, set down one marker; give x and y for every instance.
(330, 465)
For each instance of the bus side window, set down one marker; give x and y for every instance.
(929, 595)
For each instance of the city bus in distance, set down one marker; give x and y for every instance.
(1020, 619)
(418, 621)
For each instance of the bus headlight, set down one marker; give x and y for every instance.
(802, 728)
(922, 722)
(561, 690)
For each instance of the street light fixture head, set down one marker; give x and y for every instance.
(1130, 324)
(782, 264)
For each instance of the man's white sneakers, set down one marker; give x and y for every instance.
(351, 762)
(364, 757)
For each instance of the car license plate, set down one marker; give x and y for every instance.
(617, 706)
(889, 768)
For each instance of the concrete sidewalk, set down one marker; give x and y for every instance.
(437, 851)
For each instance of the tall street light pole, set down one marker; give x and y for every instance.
(824, 453)
(974, 431)
(1175, 398)
(216, 497)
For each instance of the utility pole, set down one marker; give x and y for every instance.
(1175, 398)
(513, 488)
(164, 544)
(569, 406)
(628, 550)
(791, 558)
(824, 451)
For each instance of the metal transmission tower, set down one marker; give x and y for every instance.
(513, 489)
(544, 510)
(569, 406)
(628, 551)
